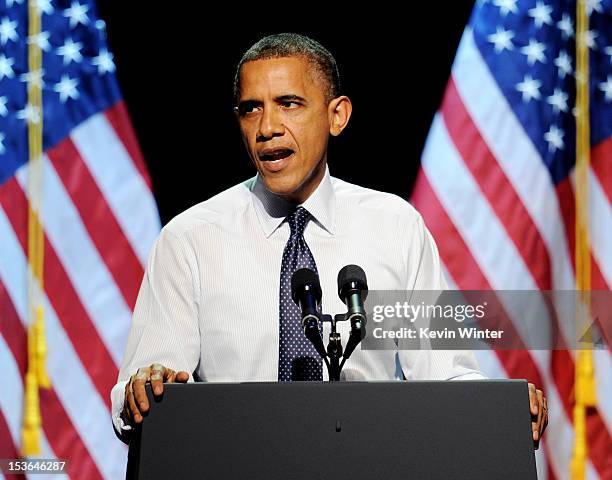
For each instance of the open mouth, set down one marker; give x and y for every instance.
(275, 155)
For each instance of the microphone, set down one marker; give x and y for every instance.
(353, 290)
(306, 293)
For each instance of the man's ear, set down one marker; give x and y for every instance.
(339, 110)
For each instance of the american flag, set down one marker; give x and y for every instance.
(496, 188)
(100, 220)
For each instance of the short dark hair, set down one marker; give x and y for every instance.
(284, 45)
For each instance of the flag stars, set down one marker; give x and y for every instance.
(606, 87)
(554, 138)
(8, 30)
(534, 52)
(104, 62)
(30, 114)
(71, 51)
(77, 13)
(6, 67)
(101, 27)
(566, 26)
(541, 14)
(3, 109)
(42, 40)
(506, 6)
(608, 51)
(502, 39)
(593, 5)
(589, 37)
(564, 64)
(2, 147)
(558, 101)
(529, 88)
(581, 77)
(44, 6)
(10, 3)
(67, 88)
(35, 78)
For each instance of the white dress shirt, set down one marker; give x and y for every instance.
(209, 300)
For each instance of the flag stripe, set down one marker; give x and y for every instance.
(118, 117)
(514, 152)
(8, 443)
(66, 441)
(565, 194)
(83, 335)
(59, 430)
(601, 163)
(11, 402)
(496, 187)
(17, 343)
(100, 221)
(123, 187)
(9, 434)
(497, 172)
(566, 200)
(7, 448)
(603, 378)
(438, 221)
(600, 228)
(71, 381)
(493, 256)
(465, 269)
(86, 270)
(562, 369)
(504, 135)
(599, 443)
(102, 226)
(13, 371)
(466, 274)
(471, 213)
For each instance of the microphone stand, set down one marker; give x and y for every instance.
(334, 347)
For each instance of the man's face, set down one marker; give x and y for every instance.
(285, 123)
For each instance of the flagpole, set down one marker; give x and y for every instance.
(36, 376)
(584, 384)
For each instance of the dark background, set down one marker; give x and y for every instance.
(176, 61)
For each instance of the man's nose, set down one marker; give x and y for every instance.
(271, 124)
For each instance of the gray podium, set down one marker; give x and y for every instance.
(341, 430)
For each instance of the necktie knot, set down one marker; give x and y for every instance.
(298, 220)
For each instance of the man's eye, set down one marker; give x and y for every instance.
(247, 109)
(290, 105)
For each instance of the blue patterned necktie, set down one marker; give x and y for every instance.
(297, 358)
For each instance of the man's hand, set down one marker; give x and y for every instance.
(539, 413)
(136, 403)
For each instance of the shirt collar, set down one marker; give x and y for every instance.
(271, 209)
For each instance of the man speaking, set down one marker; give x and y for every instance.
(216, 297)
